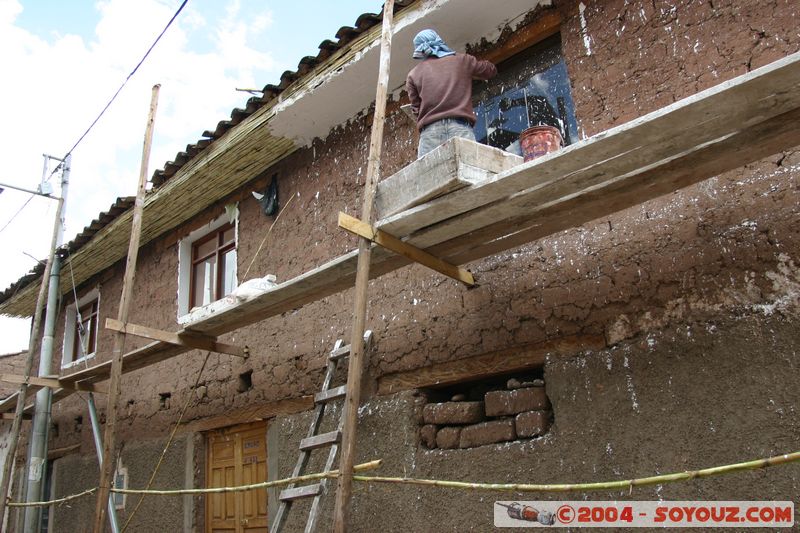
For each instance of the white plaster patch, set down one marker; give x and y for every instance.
(337, 96)
(786, 284)
(587, 43)
(631, 390)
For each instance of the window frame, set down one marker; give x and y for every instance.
(553, 106)
(185, 257)
(222, 247)
(71, 343)
(120, 499)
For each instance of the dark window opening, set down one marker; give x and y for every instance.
(245, 381)
(84, 338)
(120, 482)
(213, 272)
(164, 399)
(48, 492)
(532, 88)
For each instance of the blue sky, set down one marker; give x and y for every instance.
(298, 25)
(61, 62)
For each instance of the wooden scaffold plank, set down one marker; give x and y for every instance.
(53, 383)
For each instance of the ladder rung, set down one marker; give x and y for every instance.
(339, 353)
(318, 441)
(331, 394)
(296, 493)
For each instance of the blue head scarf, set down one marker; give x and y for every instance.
(427, 43)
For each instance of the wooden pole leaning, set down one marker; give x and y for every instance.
(109, 437)
(23, 388)
(356, 364)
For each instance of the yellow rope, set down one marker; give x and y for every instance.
(215, 490)
(247, 271)
(51, 502)
(588, 487)
(517, 487)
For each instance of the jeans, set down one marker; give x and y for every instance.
(440, 131)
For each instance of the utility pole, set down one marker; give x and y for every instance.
(37, 449)
(5, 484)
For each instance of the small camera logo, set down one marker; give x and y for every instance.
(527, 513)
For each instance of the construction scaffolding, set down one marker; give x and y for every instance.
(478, 201)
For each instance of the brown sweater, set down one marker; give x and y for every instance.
(442, 87)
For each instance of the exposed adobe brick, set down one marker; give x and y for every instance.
(532, 423)
(501, 403)
(427, 435)
(449, 437)
(453, 413)
(487, 433)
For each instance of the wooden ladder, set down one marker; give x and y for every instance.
(315, 440)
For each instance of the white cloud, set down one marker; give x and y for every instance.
(54, 88)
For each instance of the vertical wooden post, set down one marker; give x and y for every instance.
(356, 365)
(109, 438)
(23, 388)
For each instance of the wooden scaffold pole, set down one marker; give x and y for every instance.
(109, 437)
(356, 365)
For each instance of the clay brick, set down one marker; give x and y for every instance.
(427, 434)
(448, 438)
(487, 433)
(448, 413)
(532, 423)
(501, 403)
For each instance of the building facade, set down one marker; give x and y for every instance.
(659, 339)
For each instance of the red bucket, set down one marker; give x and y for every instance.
(538, 141)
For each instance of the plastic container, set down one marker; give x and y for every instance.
(539, 140)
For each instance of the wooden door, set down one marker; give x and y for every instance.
(237, 456)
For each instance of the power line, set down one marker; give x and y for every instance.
(17, 213)
(114, 97)
(183, 4)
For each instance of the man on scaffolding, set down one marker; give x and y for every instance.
(440, 89)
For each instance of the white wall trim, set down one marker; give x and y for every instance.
(67, 357)
(185, 257)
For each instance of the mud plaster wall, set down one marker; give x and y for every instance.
(79, 472)
(727, 247)
(683, 398)
(13, 363)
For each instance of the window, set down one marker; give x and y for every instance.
(531, 89)
(80, 329)
(120, 482)
(213, 273)
(47, 512)
(207, 264)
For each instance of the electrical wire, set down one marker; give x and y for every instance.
(10, 220)
(114, 97)
(183, 4)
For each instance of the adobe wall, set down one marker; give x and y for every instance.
(683, 398)
(12, 363)
(76, 473)
(718, 256)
